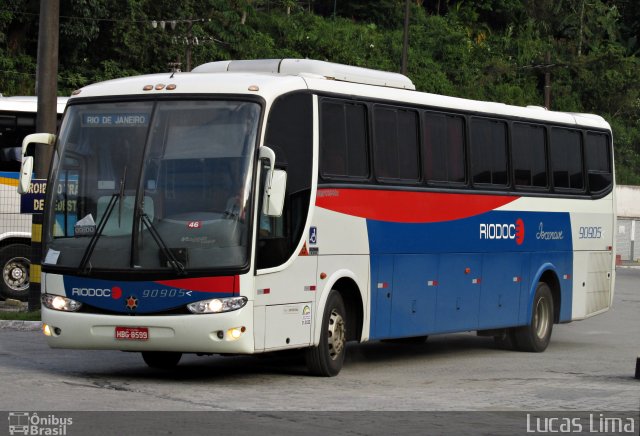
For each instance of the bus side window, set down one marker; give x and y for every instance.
(443, 154)
(343, 140)
(489, 152)
(598, 162)
(12, 130)
(529, 156)
(566, 159)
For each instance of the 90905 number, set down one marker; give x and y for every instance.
(163, 293)
(590, 232)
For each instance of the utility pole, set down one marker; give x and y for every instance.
(189, 39)
(46, 122)
(189, 43)
(405, 42)
(47, 80)
(547, 81)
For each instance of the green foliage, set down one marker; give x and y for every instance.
(495, 50)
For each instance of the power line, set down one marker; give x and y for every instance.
(149, 21)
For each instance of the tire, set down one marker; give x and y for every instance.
(536, 336)
(15, 260)
(161, 359)
(327, 358)
(506, 341)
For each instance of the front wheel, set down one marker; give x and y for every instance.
(161, 359)
(15, 263)
(536, 336)
(327, 358)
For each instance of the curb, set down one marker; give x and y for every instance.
(25, 326)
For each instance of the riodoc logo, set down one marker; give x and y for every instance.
(493, 231)
(114, 293)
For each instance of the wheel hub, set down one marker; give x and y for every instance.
(541, 318)
(16, 274)
(336, 334)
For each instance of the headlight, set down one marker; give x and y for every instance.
(58, 302)
(217, 305)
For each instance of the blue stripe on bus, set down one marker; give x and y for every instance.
(135, 297)
(10, 174)
(468, 274)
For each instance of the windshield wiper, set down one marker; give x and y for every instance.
(116, 196)
(171, 258)
(122, 182)
(101, 225)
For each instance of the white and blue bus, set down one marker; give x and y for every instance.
(255, 206)
(17, 120)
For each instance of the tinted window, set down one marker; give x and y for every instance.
(443, 148)
(566, 159)
(528, 155)
(343, 140)
(489, 152)
(13, 128)
(289, 134)
(598, 161)
(396, 144)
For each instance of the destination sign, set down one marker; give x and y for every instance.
(129, 119)
(32, 201)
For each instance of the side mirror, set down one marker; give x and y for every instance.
(275, 185)
(274, 192)
(26, 169)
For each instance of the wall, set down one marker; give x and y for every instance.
(628, 205)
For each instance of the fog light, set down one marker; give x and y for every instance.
(46, 329)
(235, 333)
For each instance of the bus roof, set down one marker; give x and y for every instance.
(27, 103)
(272, 77)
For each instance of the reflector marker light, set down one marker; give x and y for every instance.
(383, 285)
(159, 86)
(264, 291)
(310, 288)
(171, 87)
(566, 276)
(517, 279)
(147, 87)
(432, 283)
(476, 281)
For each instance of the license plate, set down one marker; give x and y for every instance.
(132, 333)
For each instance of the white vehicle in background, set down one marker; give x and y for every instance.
(17, 119)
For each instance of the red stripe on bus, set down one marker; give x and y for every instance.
(224, 284)
(408, 206)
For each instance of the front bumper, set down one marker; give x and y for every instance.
(182, 333)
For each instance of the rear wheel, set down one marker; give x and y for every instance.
(536, 336)
(505, 340)
(15, 261)
(161, 359)
(327, 358)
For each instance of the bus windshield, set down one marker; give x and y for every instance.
(152, 186)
